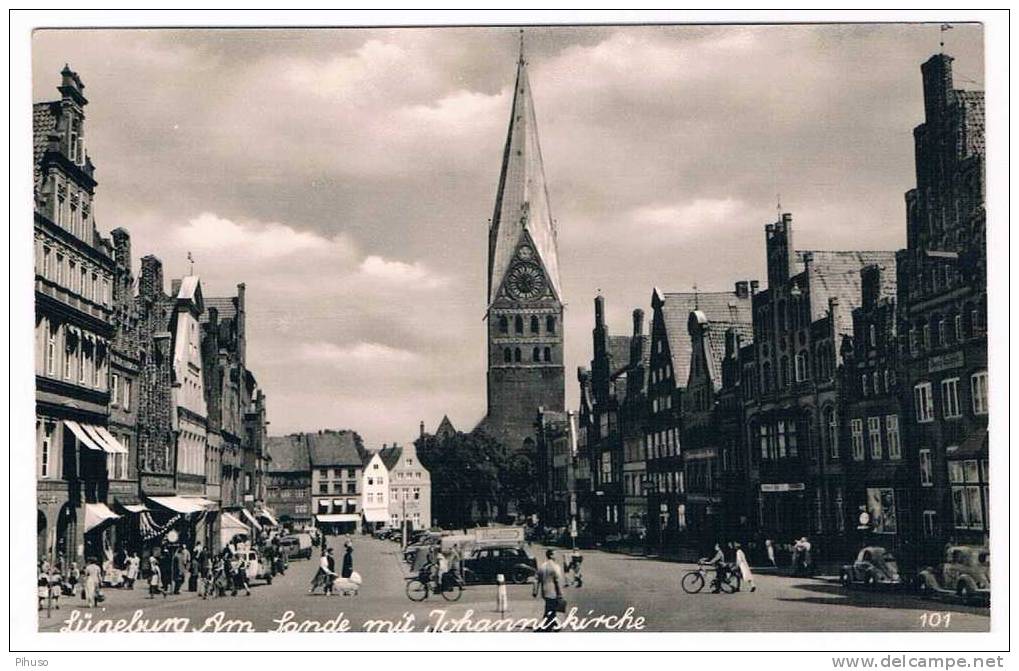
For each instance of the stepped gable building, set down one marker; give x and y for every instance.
(710, 436)
(288, 482)
(525, 299)
(74, 328)
(942, 313)
(632, 416)
(410, 487)
(799, 323)
(668, 374)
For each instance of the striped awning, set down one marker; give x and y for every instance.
(83, 437)
(98, 514)
(178, 504)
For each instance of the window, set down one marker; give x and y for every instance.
(942, 332)
(873, 335)
(929, 523)
(832, 424)
(548, 355)
(323, 487)
(784, 372)
(46, 254)
(926, 469)
(69, 349)
(507, 355)
(857, 430)
(95, 288)
(892, 435)
(351, 487)
(958, 328)
(978, 390)
(967, 494)
(536, 354)
(550, 324)
(926, 336)
(417, 493)
(864, 383)
(606, 467)
(881, 507)
(802, 373)
(950, 398)
(518, 324)
(516, 355)
(114, 389)
(51, 348)
(535, 324)
(923, 401)
(127, 394)
(46, 450)
(874, 429)
(503, 325)
(914, 344)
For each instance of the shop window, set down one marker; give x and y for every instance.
(978, 390)
(923, 402)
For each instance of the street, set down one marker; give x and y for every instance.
(613, 583)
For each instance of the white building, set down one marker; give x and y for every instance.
(188, 387)
(410, 487)
(375, 492)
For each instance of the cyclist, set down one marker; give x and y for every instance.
(718, 561)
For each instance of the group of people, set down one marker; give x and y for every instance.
(207, 573)
(730, 555)
(326, 575)
(63, 579)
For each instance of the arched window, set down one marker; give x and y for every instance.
(516, 354)
(507, 355)
(536, 354)
(831, 426)
(548, 354)
(550, 324)
(518, 324)
(784, 372)
(535, 324)
(503, 325)
(766, 377)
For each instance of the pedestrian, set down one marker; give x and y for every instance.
(326, 573)
(348, 560)
(771, 552)
(93, 577)
(133, 565)
(155, 579)
(550, 586)
(807, 559)
(194, 569)
(43, 584)
(166, 568)
(744, 568)
(205, 570)
(455, 562)
(181, 559)
(241, 576)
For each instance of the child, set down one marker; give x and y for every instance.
(155, 579)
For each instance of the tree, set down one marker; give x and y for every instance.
(465, 469)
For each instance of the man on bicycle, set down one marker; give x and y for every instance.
(718, 561)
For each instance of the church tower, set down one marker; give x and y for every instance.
(525, 302)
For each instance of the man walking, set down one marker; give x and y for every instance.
(550, 581)
(181, 559)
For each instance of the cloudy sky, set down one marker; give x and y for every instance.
(346, 176)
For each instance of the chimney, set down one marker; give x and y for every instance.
(121, 248)
(599, 311)
(937, 84)
(422, 428)
(239, 324)
(781, 256)
(213, 319)
(742, 289)
(870, 282)
(638, 322)
(150, 285)
(71, 86)
(175, 287)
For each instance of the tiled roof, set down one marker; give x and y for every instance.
(44, 122)
(226, 307)
(333, 448)
(288, 454)
(719, 306)
(716, 344)
(391, 456)
(619, 353)
(835, 274)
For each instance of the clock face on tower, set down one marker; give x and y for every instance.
(525, 281)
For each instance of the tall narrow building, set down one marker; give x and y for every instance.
(525, 303)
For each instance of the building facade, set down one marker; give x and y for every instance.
(375, 491)
(336, 475)
(288, 486)
(410, 487)
(942, 299)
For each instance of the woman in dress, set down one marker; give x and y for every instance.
(93, 575)
(744, 568)
(133, 564)
(155, 579)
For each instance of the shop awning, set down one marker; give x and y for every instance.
(112, 443)
(133, 507)
(267, 516)
(97, 514)
(334, 518)
(251, 518)
(339, 502)
(206, 504)
(374, 515)
(974, 445)
(83, 438)
(178, 504)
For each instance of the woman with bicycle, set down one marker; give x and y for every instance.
(718, 561)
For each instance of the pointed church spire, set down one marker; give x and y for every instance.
(522, 211)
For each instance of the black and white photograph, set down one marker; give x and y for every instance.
(511, 326)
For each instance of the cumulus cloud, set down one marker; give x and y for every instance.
(347, 177)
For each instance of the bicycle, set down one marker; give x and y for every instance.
(419, 588)
(695, 580)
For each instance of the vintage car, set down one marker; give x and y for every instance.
(297, 546)
(514, 563)
(965, 573)
(257, 567)
(874, 567)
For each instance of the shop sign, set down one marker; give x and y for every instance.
(945, 362)
(782, 487)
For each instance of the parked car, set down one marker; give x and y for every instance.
(516, 564)
(874, 567)
(257, 567)
(298, 546)
(966, 572)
